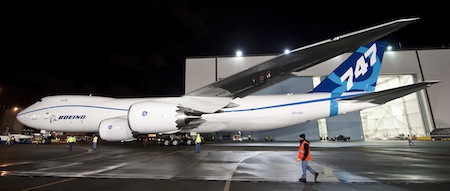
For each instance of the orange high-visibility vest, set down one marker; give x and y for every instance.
(301, 151)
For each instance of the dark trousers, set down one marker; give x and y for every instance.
(70, 146)
(197, 147)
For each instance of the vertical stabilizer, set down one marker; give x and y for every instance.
(358, 73)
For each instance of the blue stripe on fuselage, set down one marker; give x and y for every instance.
(239, 110)
(291, 104)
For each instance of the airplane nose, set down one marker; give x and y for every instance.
(22, 117)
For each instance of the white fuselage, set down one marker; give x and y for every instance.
(253, 113)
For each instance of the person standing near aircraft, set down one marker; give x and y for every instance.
(8, 140)
(410, 140)
(304, 155)
(94, 142)
(198, 141)
(70, 141)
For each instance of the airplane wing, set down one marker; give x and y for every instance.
(384, 96)
(281, 67)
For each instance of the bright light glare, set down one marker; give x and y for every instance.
(238, 53)
(389, 48)
(287, 51)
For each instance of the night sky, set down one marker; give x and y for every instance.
(138, 49)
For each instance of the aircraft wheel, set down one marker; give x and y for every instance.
(166, 142)
(175, 142)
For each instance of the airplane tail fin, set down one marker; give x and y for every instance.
(358, 73)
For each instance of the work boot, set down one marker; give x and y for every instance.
(315, 176)
(302, 179)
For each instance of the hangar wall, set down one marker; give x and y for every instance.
(435, 65)
(420, 64)
(8, 119)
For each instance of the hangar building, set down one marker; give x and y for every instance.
(415, 114)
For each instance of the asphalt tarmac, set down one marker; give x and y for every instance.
(361, 165)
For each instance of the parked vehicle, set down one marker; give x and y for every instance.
(18, 138)
(340, 138)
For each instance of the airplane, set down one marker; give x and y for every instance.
(227, 105)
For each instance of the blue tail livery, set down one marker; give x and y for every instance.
(358, 73)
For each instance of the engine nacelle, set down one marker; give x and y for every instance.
(153, 117)
(115, 129)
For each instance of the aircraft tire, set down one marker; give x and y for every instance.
(166, 142)
(175, 142)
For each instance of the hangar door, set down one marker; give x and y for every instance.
(397, 118)
(394, 120)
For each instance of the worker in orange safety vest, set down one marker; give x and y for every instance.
(304, 155)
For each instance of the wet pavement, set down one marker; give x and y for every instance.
(369, 165)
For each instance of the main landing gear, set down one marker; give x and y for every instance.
(175, 140)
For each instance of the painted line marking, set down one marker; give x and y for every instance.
(49, 184)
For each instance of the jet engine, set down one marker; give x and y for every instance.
(155, 117)
(115, 129)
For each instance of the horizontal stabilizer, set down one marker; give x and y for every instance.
(384, 96)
